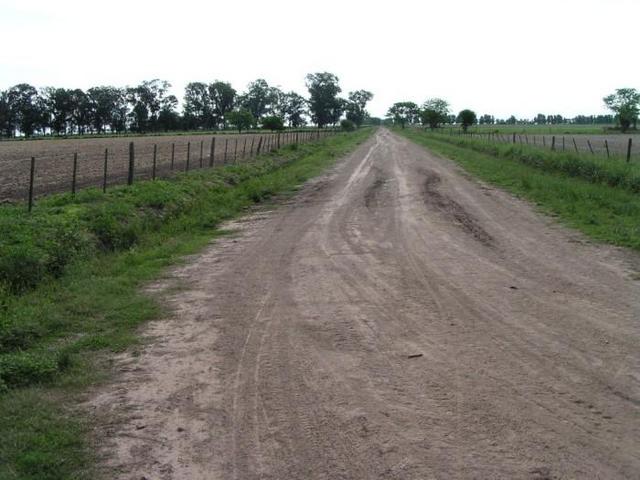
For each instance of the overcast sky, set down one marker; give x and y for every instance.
(500, 57)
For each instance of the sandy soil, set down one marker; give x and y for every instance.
(395, 320)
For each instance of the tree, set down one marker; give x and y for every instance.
(241, 119)
(258, 98)
(295, 107)
(467, 118)
(540, 119)
(27, 108)
(512, 120)
(58, 108)
(168, 118)
(625, 103)
(356, 106)
(487, 120)
(403, 113)
(197, 105)
(223, 97)
(272, 122)
(434, 112)
(106, 104)
(324, 104)
(6, 117)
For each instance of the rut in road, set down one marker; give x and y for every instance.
(287, 354)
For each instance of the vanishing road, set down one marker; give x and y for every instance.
(395, 319)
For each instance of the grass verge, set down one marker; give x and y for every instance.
(605, 213)
(70, 276)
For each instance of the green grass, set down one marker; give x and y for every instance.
(605, 213)
(77, 296)
(560, 129)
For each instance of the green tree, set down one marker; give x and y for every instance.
(466, 118)
(486, 120)
(625, 103)
(58, 105)
(106, 104)
(272, 122)
(295, 108)
(403, 113)
(258, 98)
(27, 108)
(241, 119)
(6, 117)
(223, 97)
(197, 105)
(356, 106)
(325, 106)
(434, 112)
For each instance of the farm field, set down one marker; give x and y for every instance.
(54, 159)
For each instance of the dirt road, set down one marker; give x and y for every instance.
(287, 356)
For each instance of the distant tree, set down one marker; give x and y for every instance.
(375, 121)
(6, 117)
(223, 97)
(625, 103)
(241, 119)
(325, 106)
(168, 118)
(486, 120)
(106, 104)
(540, 119)
(58, 108)
(295, 109)
(272, 122)
(512, 120)
(348, 125)
(27, 108)
(403, 113)
(434, 112)
(258, 98)
(197, 105)
(356, 106)
(466, 118)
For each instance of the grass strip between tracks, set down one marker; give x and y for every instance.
(70, 278)
(609, 214)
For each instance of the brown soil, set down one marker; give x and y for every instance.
(292, 349)
(54, 159)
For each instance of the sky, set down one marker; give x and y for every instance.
(499, 57)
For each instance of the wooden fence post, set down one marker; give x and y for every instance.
(606, 146)
(104, 173)
(213, 151)
(563, 143)
(629, 150)
(173, 154)
(188, 156)
(244, 148)
(253, 139)
(278, 140)
(590, 147)
(153, 169)
(31, 179)
(201, 152)
(259, 145)
(74, 174)
(235, 151)
(132, 163)
(553, 142)
(226, 143)
(514, 138)
(575, 145)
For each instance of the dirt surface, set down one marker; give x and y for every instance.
(54, 159)
(394, 320)
(617, 143)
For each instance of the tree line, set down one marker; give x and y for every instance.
(149, 107)
(624, 103)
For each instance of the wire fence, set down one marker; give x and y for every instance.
(69, 167)
(610, 146)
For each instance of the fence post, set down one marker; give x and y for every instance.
(296, 138)
(544, 141)
(132, 163)
(606, 146)
(153, 170)
(213, 151)
(575, 145)
(278, 140)
(514, 138)
(235, 151)
(553, 142)
(173, 154)
(31, 178)
(226, 143)
(590, 147)
(104, 174)
(253, 139)
(188, 156)
(244, 148)
(74, 174)
(629, 150)
(259, 145)
(563, 143)
(201, 152)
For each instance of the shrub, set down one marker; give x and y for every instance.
(347, 125)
